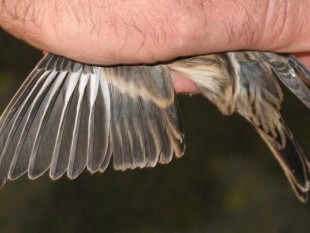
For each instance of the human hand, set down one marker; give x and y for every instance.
(135, 31)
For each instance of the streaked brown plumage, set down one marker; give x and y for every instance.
(68, 116)
(246, 83)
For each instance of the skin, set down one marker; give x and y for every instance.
(109, 32)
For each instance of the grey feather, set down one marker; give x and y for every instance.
(32, 126)
(67, 149)
(141, 134)
(101, 127)
(290, 71)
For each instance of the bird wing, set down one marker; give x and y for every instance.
(67, 116)
(259, 101)
(291, 73)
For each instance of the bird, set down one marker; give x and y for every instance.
(68, 116)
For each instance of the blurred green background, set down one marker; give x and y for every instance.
(227, 181)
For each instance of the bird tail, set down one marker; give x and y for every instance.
(291, 158)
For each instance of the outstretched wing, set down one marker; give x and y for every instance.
(68, 116)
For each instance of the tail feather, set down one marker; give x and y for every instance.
(291, 158)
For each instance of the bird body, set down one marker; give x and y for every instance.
(246, 83)
(69, 116)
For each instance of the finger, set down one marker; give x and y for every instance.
(182, 84)
(304, 58)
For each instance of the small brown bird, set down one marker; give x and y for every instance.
(68, 116)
